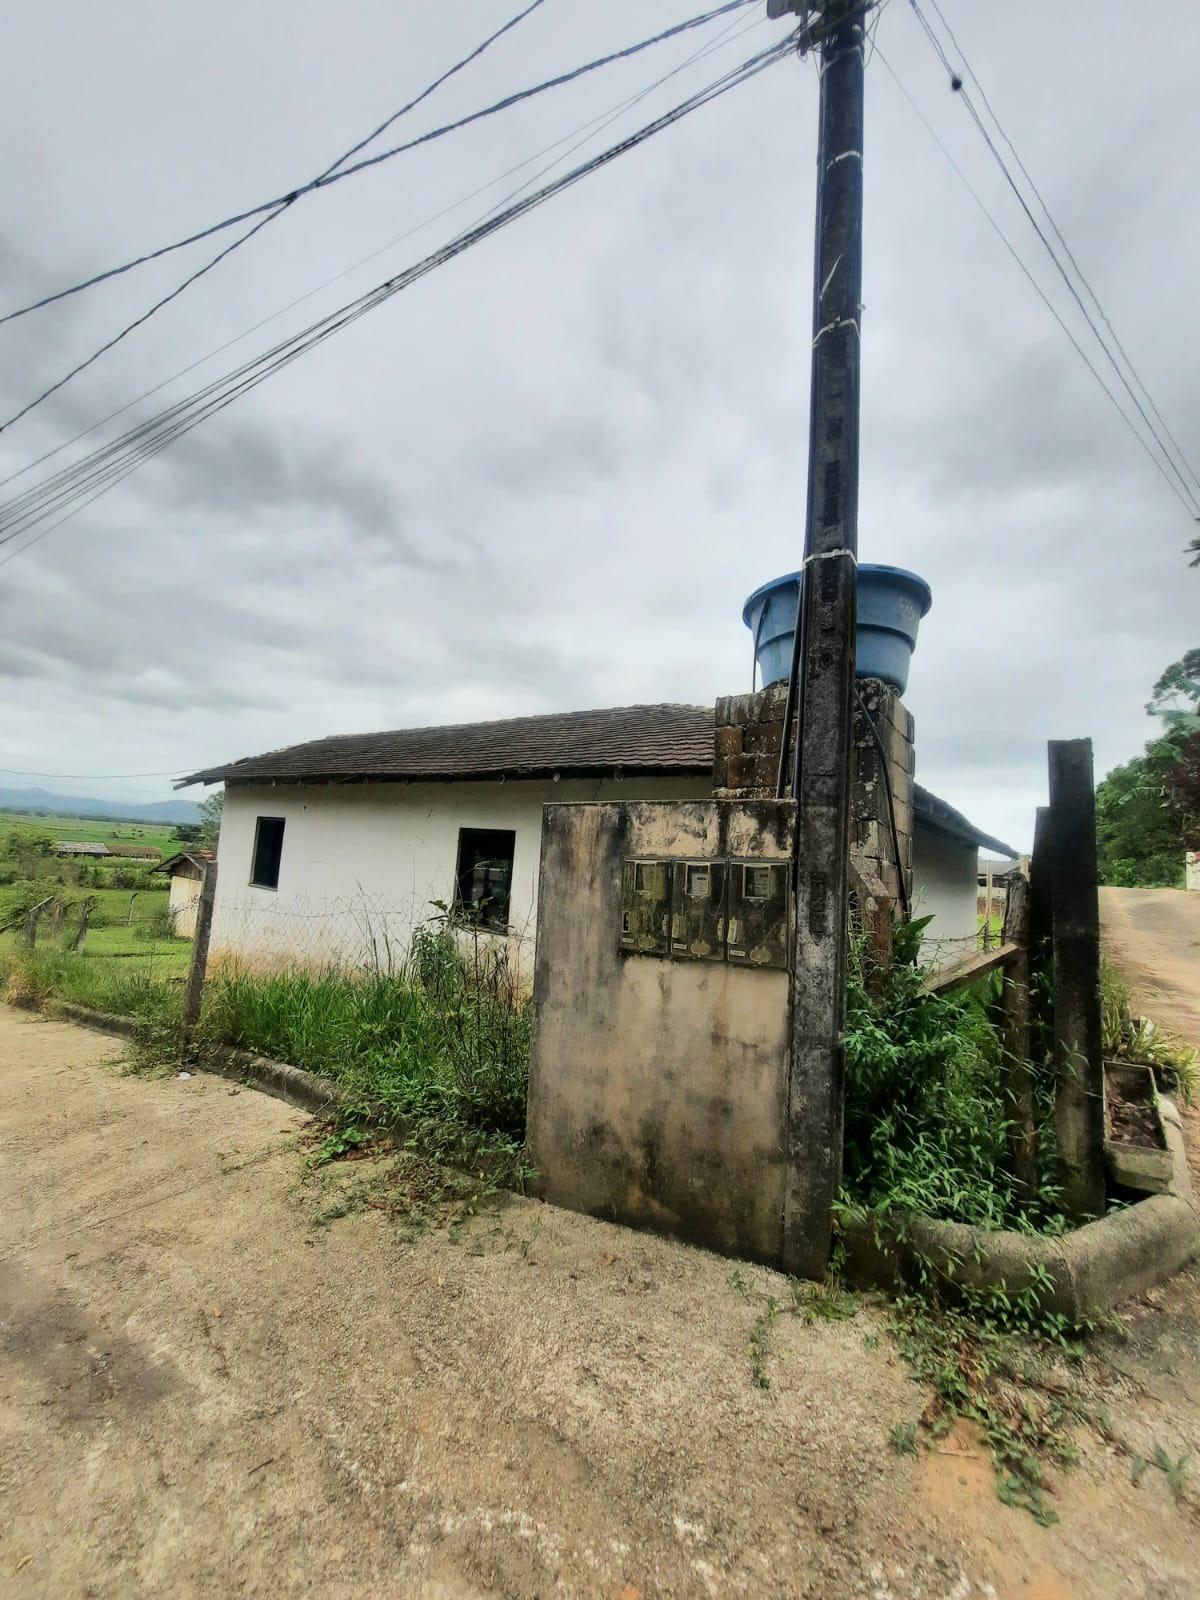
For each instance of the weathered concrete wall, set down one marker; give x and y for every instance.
(749, 735)
(182, 903)
(658, 1087)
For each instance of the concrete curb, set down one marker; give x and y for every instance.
(1079, 1275)
(99, 1021)
(276, 1078)
(1082, 1274)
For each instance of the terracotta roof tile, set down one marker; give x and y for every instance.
(659, 738)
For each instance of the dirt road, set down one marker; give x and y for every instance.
(1153, 935)
(205, 1391)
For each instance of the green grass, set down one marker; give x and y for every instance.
(161, 835)
(442, 1047)
(138, 988)
(92, 831)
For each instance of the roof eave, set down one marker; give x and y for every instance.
(608, 769)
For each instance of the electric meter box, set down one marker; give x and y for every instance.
(698, 911)
(757, 926)
(646, 907)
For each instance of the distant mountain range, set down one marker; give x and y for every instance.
(73, 805)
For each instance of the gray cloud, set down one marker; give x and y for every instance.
(547, 476)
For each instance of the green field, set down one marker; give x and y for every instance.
(161, 835)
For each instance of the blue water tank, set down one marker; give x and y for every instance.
(891, 603)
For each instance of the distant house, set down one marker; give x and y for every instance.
(186, 871)
(136, 852)
(336, 849)
(66, 847)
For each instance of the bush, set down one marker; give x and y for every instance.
(926, 1115)
(158, 925)
(442, 1045)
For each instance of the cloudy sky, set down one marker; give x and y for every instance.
(547, 476)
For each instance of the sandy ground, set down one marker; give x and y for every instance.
(204, 1392)
(1153, 935)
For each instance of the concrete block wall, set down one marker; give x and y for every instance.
(658, 1088)
(748, 739)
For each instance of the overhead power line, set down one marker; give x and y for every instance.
(1079, 272)
(67, 491)
(598, 123)
(1037, 288)
(264, 221)
(21, 502)
(337, 172)
(95, 777)
(1188, 495)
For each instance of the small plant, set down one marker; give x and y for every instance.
(903, 1438)
(760, 1343)
(980, 1351)
(339, 1144)
(1175, 1472)
(1133, 1038)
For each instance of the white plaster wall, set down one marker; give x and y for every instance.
(362, 862)
(1192, 870)
(182, 902)
(945, 887)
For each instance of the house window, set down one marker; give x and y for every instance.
(268, 848)
(484, 882)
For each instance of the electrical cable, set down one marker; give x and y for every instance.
(270, 217)
(84, 481)
(19, 772)
(22, 502)
(1079, 272)
(602, 120)
(1038, 290)
(905, 908)
(337, 173)
(956, 81)
(333, 175)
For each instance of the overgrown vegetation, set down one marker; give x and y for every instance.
(926, 1114)
(1132, 1038)
(1007, 1366)
(440, 1046)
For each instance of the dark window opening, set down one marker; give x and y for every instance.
(268, 849)
(484, 882)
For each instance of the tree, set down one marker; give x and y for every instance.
(211, 809)
(1176, 696)
(1148, 811)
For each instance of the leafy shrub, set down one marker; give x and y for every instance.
(926, 1115)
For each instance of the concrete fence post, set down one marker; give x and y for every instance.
(195, 980)
(1014, 1036)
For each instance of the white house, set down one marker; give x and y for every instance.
(186, 871)
(337, 849)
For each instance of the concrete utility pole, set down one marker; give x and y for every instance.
(827, 622)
